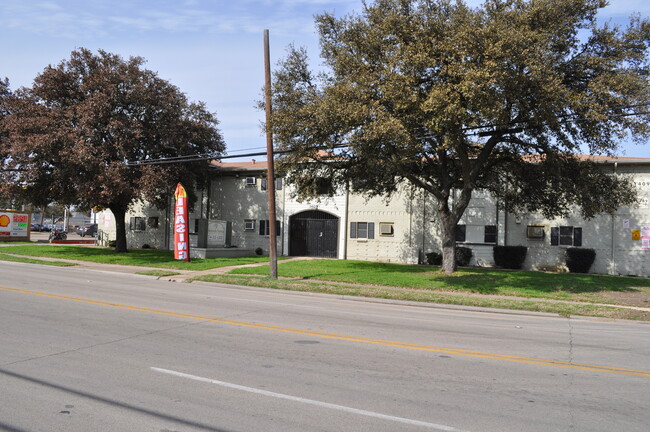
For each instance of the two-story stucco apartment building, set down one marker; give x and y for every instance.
(233, 212)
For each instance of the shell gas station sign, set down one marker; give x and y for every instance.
(14, 225)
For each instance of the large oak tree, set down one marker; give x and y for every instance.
(70, 137)
(449, 99)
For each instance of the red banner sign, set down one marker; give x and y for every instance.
(181, 224)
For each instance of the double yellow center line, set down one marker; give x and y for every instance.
(350, 338)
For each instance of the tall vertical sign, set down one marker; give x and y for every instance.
(181, 224)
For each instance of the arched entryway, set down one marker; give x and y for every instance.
(313, 233)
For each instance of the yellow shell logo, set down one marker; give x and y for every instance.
(4, 221)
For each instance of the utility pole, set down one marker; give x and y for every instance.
(270, 171)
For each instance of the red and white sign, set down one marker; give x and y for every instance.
(181, 224)
(14, 224)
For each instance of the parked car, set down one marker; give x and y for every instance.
(36, 227)
(88, 230)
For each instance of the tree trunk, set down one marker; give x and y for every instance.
(448, 233)
(120, 228)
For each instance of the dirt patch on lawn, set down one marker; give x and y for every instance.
(637, 299)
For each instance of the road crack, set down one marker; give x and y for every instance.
(86, 347)
(571, 376)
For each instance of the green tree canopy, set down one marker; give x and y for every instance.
(448, 98)
(71, 135)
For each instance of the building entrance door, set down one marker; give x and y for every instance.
(313, 233)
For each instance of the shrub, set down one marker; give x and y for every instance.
(579, 260)
(551, 268)
(434, 258)
(112, 243)
(259, 251)
(509, 257)
(463, 256)
(146, 246)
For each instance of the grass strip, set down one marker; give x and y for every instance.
(557, 286)
(5, 257)
(135, 257)
(560, 308)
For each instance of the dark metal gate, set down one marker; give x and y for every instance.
(313, 233)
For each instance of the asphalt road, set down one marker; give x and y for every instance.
(98, 351)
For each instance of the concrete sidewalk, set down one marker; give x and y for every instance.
(222, 270)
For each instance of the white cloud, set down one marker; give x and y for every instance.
(76, 19)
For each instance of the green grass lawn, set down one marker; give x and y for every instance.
(5, 257)
(425, 296)
(560, 286)
(135, 257)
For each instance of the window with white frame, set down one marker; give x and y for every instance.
(152, 222)
(137, 223)
(323, 186)
(362, 230)
(490, 234)
(264, 183)
(264, 227)
(251, 181)
(566, 236)
(249, 224)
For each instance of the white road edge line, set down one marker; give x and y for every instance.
(309, 401)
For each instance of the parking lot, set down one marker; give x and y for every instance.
(43, 237)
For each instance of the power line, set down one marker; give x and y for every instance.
(498, 129)
(198, 158)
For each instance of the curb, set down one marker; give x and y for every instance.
(407, 302)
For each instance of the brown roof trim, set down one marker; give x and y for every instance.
(253, 165)
(261, 165)
(614, 159)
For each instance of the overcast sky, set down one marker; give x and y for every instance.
(211, 49)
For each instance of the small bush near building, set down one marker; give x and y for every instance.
(259, 251)
(579, 260)
(551, 268)
(510, 257)
(463, 256)
(434, 258)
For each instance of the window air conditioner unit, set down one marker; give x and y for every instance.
(386, 229)
(250, 181)
(535, 232)
(249, 225)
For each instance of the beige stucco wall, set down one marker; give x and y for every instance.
(609, 235)
(415, 224)
(135, 239)
(231, 199)
(403, 245)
